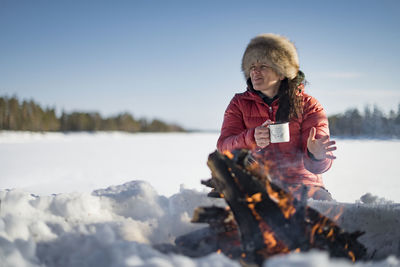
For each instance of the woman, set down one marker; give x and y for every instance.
(275, 93)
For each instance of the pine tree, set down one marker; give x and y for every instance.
(29, 116)
(2, 113)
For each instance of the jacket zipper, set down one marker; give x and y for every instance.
(270, 113)
(273, 155)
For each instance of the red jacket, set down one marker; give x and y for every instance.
(247, 110)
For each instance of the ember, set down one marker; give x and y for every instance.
(263, 219)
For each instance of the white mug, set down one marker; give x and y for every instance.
(279, 132)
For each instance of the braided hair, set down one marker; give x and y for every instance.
(290, 99)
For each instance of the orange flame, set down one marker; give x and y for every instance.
(269, 239)
(257, 197)
(351, 254)
(284, 202)
(339, 214)
(272, 245)
(339, 211)
(228, 154)
(313, 230)
(330, 234)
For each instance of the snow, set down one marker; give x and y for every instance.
(104, 199)
(369, 218)
(365, 166)
(57, 163)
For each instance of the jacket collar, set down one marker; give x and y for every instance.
(257, 96)
(265, 98)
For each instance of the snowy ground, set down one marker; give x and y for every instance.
(75, 199)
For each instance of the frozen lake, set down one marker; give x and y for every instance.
(50, 163)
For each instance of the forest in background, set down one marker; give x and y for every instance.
(372, 123)
(30, 116)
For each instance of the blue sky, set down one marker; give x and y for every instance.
(180, 60)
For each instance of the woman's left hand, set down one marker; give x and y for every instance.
(320, 148)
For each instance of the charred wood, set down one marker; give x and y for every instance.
(263, 219)
(270, 220)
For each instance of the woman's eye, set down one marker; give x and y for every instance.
(263, 67)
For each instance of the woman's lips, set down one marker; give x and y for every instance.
(258, 79)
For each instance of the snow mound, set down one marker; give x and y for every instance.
(380, 222)
(110, 227)
(119, 225)
(321, 259)
(368, 198)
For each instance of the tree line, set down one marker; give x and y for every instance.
(371, 123)
(30, 116)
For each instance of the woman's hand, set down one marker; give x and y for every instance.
(261, 134)
(320, 148)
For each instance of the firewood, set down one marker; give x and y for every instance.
(270, 219)
(262, 218)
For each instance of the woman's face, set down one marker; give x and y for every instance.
(265, 79)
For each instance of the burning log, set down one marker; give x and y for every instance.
(263, 219)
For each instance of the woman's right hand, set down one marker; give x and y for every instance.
(261, 135)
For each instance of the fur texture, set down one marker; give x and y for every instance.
(274, 50)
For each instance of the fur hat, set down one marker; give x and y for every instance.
(274, 50)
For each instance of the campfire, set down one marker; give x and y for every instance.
(262, 219)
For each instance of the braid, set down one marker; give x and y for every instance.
(290, 101)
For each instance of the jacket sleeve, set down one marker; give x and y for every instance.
(314, 116)
(234, 134)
